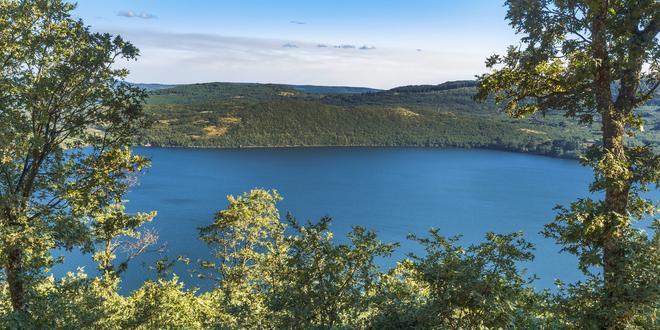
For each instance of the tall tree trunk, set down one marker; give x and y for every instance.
(13, 266)
(617, 188)
(616, 204)
(15, 279)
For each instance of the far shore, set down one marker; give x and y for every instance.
(354, 146)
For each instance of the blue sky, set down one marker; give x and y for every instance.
(360, 42)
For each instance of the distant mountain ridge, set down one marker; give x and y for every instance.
(434, 88)
(310, 89)
(153, 87)
(443, 115)
(313, 89)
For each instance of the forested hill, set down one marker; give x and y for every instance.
(153, 87)
(445, 115)
(333, 89)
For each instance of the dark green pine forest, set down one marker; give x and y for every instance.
(446, 115)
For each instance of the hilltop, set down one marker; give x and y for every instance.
(445, 115)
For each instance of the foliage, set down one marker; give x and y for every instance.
(65, 126)
(67, 121)
(597, 62)
(276, 276)
(246, 115)
(479, 286)
(270, 279)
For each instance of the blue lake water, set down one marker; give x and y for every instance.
(394, 191)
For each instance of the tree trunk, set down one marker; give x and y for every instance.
(15, 280)
(616, 204)
(617, 188)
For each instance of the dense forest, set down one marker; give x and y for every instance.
(445, 115)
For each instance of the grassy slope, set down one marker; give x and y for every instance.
(233, 115)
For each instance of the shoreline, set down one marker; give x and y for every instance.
(322, 146)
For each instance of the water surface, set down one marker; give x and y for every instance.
(394, 191)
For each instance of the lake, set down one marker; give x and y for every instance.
(394, 191)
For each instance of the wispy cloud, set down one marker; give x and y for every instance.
(345, 46)
(194, 57)
(322, 46)
(365, 47)
(297, 22)
(289, 45)
(132, 14)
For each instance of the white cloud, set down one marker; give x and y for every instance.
(132, 14)
(189, 58)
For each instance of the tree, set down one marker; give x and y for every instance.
(267, 279)
(66, 120)
(476, 287)
(325, 284)
(596, 60)
(247, 239)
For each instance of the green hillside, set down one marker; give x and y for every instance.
(333, 89)
(248, 115)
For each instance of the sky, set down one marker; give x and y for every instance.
(370, 43)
